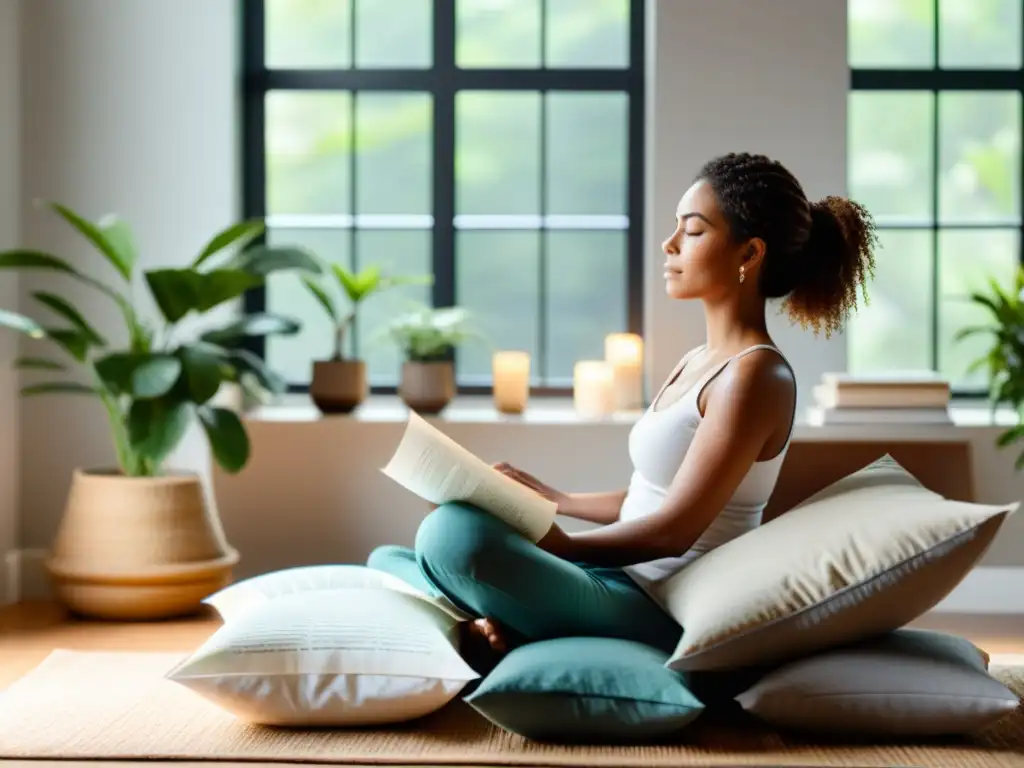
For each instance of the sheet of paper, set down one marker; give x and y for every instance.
(439, 470)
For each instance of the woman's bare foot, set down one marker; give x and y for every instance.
(483, 644)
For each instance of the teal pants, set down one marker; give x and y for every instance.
(489, 570)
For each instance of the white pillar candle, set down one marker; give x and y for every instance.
(625, 353)
(511, 373)
(593, 393)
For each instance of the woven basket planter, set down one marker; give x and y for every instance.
(138, 548)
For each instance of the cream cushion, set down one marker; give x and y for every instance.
(865, 555)
(349, 657)
(237, 598)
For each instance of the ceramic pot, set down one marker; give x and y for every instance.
(138, 548)
(427, 387)
(338, 386)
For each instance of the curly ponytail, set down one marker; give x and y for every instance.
(817, 254)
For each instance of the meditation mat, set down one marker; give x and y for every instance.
(117, 706)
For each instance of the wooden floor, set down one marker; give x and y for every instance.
(29, 632)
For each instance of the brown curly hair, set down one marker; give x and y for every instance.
(817, 254)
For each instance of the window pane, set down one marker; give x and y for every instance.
(400, 252)
(587, 153)
(308, 140)
(586, 296)
(395, 33)
(497, 33)
(894, 34)
(894, 331)
(292, 356)
(979, 152)
(890, 159)
(587, 33)
(393, 153)
(307, 34)
(980, 33)
(496, 278)
(497, 155)
(967, 259)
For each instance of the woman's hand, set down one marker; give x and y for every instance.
(558, 543)
(525, 478)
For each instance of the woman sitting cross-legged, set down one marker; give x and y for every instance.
(706, 453)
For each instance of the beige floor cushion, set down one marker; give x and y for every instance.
(866, 555)
(345, 657)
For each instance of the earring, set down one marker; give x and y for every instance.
(742, 276)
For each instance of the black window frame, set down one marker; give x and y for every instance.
(936, 80)
(443, 80)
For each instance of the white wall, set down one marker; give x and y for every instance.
(732, 75)
(10, 206)
(128, 107)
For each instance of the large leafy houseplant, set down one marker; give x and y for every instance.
(339, 384)
(158, 381)
(1004, 359)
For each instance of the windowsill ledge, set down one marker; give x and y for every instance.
(479, 409)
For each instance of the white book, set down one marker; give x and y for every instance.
(820, 416)
(439, 470)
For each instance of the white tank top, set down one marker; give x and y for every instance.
(657, 445)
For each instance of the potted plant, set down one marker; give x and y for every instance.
(139, 541)
(1004, 359)
(427, 337)
(339, 384)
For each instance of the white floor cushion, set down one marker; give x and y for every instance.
(347, 657)
(241, 596)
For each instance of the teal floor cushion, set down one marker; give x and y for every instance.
(586, 689)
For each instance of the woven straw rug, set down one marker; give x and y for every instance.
(89, 705)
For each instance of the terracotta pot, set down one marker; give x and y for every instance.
(338, 386)
(427, 387)
(136, 548)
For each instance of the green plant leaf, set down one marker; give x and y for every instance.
(72, 315)
(261, 324)
(21, 324)
(228, 439)
(241, 234)
(58, 388)
(246, 362)
(121, 239)
(974, 330)
(24, 259)
(71, 341)
(204, 368)
(322, 297)
(142, 376)
(180, 291)
(95, 235)
(155, 376)
(155, 427)
(263, 259)
(1010, 436)
(347, 281)
(38, 363)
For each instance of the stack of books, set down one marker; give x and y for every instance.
(910, 398)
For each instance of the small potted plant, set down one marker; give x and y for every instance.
(339, 384)
(139, 540)
(427, 337)
(1004, 359)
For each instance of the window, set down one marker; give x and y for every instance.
(935, 154)
(496, 144)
